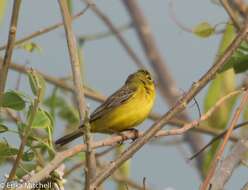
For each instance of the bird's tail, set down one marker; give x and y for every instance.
(70, 137)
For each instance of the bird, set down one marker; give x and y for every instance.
(123, 110)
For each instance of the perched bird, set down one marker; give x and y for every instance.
(123, 110)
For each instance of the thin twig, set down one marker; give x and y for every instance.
(10, 45)
(90, 93)
(101, 35)
(24, 137)
(58, 82)
(219, 136)
(117, 33)
(176, 109)
(117, 176)
(240, 6)
(82, 163)
(167, 84)
(127, 181)
(148, 43)
(44, 31)
(215, 106)
(111, 141)
(231, 13)
(223, 145)
(153, 130)
(144, 183)
(228, 165)
(172, 14)
(79, 92)
(245, 187)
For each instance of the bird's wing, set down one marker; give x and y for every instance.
(113, 101)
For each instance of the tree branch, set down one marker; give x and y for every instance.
(245, 187)
(231, 13)
(111, 141)
(44, 31)
(58, 82)
(24, 137)
(117, 33)
(151, 132)
(100, 98)
(177, 108)
(167, 84)
(10, 45)
(79, 92)
(220, 151)
(229, 164)
(102, 35)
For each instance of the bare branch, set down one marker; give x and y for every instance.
(44, 31)
(231, 13)
(90, 93)
(229, 164)
(167, 84)
(10, 45)
(58, 82)
(177, 108)
(117, 33)
(79, 92)
(222, 147)
(111, 141)
(106, 34)
(152, 131)
(245, 187)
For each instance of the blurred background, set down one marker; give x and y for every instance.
(106, 66)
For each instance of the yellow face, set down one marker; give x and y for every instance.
(141, 76)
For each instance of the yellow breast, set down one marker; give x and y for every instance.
(127, 115)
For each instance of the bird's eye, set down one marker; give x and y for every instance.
(148, 77)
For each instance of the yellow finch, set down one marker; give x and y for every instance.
(123, 110)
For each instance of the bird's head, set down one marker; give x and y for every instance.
(141, 76)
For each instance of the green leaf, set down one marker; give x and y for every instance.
(36, 82)
(45, 121)
(28, 156)
(28, 167)
(30, 47)
(204, 30)
(239, 60)
(3, 128)
(51, 126)
(50, 129)
(69, 114)
(12, 99)
(223, 84)
(41, 120)
(21, 127)
(54, 101)
(7, 151)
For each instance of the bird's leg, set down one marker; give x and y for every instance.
(123, 137)
(135, 131)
